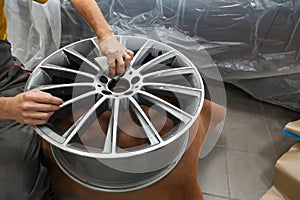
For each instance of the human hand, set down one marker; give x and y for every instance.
(34, 107)
(119, 57)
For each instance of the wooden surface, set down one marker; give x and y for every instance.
(180, 184)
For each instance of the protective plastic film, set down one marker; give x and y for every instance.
(254, 43)
(33, 29)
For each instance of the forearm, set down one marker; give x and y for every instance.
(91, 12)
(5, 109)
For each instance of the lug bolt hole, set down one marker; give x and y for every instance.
(103, 79)
(128, 93)
(135, 80)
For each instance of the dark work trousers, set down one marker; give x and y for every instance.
(22, 176)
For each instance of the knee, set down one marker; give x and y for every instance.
(18, 143)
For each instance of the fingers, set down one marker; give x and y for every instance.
(112, 69)
(119, 57)
(40, 107)
(117, 66)
(121, 66)
(34, 117)
(41, 97)
(38, 118)
(130, 53)
(35, 107)
(128, 57)
(41, 115)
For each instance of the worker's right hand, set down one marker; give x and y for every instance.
(34, 107)
(117, 55)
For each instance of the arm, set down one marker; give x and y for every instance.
(117, 54)
(90, 11)
(33, 107)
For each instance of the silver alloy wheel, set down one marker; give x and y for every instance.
(125, 133)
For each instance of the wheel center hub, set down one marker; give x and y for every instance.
(118, 85)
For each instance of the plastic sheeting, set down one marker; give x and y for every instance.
(33, 29)
(254, 43)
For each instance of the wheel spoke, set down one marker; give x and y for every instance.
(95, 42)
(108, 145)
(63, 72)
(79, 59)
(166, 58)
(188, 91)
(171, 72)
(141, 54)
(81, 124)
(78, 98)
(114, 124)
(123, 41)
(150, 131)
(59, 86)
(169, 108)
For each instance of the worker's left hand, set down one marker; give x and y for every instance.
(119, 57)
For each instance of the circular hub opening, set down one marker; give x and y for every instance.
(119, 85)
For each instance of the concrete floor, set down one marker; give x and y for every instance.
(241, 165)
